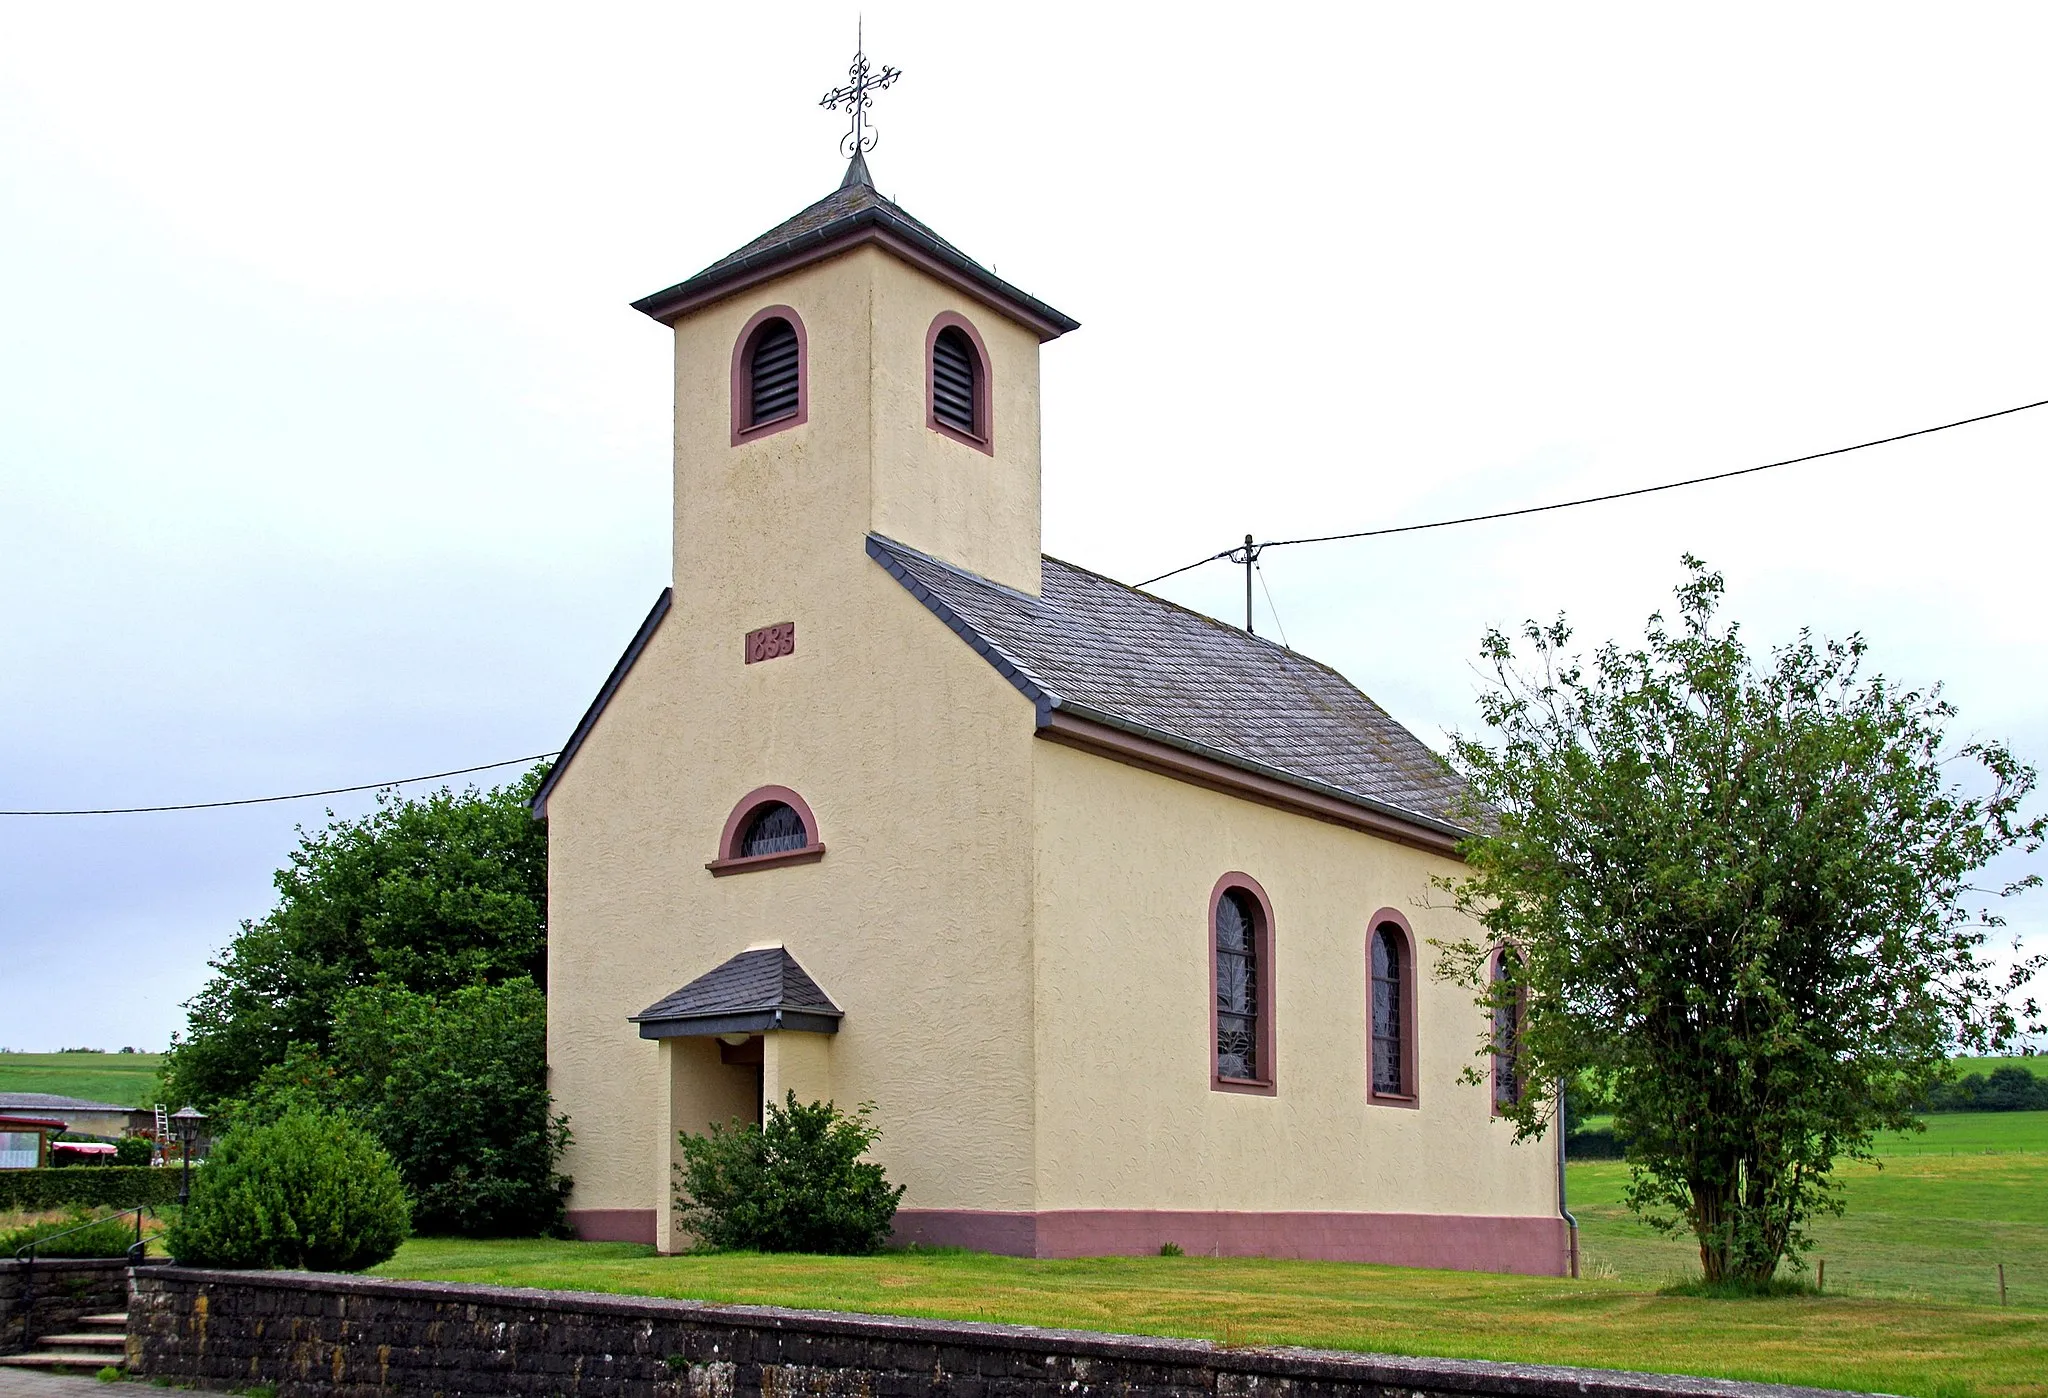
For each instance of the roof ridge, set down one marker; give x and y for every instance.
(1172, 605)
(954, 568)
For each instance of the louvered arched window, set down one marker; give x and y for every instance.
(954, 373)
(958, 370)
(1391, 1014)
(772, 373)
(1241, 980)
(769, 392)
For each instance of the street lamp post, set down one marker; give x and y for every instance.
(187, 1120)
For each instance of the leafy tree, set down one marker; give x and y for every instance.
(431, 895)
(309, 1190)
(796, 1183)
(1740, 893)
(456, 1088)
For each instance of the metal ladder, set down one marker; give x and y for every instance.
(163, 1132)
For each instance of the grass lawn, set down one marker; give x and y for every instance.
(1921, 1348)
(1931, 1222)
(1911, 1305)
(126, 1079)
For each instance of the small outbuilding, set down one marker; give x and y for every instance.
(25, 1140)
(109, 1120)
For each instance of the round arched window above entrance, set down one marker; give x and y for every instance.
(771, 826)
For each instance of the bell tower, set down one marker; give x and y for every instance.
(850, 371)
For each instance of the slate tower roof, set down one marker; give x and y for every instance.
(853, 214)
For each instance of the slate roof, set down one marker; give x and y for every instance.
(1104, 651)
(51, 1102)
(853, 207)
(756, 982)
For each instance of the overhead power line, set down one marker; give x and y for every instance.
(1237, 554)
(1247, 553)
(293, 796)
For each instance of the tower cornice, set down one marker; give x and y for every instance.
(851, 217)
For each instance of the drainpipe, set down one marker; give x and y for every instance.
(1571, 1222)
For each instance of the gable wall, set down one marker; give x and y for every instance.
(1127, 1119)
(914, 755)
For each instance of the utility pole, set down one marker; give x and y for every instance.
(1248, 555)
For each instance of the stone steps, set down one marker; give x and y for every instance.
(61, 1359)
(103, 1345)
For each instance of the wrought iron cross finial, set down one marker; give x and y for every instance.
(856, 96)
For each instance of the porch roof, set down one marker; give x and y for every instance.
(759, 990)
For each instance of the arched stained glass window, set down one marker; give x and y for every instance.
(1237, 987)
(1507, 1034)
(1389, 1027)
(773, 829)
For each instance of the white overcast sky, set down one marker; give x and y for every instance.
(331, 452)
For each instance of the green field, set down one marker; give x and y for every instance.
(1932, 1221)
(1911, 1302)
(126, 1079)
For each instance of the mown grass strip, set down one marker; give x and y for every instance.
(1870, 1344)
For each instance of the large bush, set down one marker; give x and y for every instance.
(310, 1191)
(456, 1088)
(432, 894)
(795, 1184)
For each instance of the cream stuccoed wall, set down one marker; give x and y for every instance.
(986, 519)
(1127, 1119)
(915, 756)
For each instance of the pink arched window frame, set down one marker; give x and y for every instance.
(1267, 1083)
(984, 398)
(1410, 1094)
(743, 427)
(731, 861)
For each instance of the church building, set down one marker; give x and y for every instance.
(1119, 914)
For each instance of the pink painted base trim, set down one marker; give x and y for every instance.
(1532, 1246)
(613, 1225)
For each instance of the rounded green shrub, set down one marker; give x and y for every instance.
(310, 1191)
(794, 1183)
(133, 1150)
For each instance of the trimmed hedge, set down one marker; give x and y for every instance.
(2008, 1089)
(101, 1187)
(1594, 1145)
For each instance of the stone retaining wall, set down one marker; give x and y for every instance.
(66, 1288)
(305, 1334)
